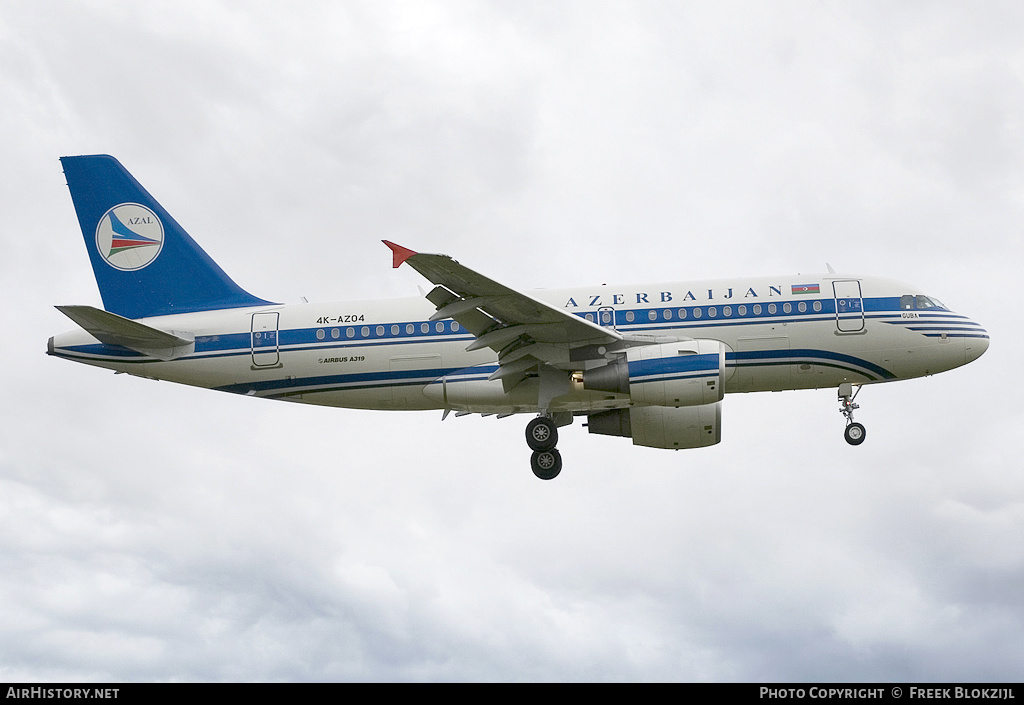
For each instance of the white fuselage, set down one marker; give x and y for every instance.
(789, 332)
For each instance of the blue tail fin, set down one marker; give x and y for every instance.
(145, 263)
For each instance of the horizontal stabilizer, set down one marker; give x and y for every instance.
(111, 329)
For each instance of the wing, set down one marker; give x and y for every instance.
(524, 331)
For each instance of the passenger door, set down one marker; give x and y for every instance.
(849, 305)
(265, 349)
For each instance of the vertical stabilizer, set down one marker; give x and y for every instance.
(145, 263)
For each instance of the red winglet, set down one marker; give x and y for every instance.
(401, 253)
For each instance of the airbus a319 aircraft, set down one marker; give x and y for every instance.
(651, 362)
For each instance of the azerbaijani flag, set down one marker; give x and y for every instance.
(798, 289)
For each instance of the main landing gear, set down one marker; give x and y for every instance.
(542, 437)
(855, 433)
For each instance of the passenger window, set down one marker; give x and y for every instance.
(455, 327)
(652, 315)
(682, 314)
(365, 331)
(350, 332)
(380, 330)
(410, 329)
(817, 305)
(439, 327)
(727, 311)
(629, 316)
(424, 328)
(742, 309)
(787, 308)
(667, 314)
(320, 334)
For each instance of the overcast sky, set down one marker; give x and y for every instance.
(155, 532)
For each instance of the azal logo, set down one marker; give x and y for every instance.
(129, 236)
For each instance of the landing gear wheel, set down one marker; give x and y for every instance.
(541, 434)
(855, 434)
(546, 464)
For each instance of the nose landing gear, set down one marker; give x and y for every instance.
(855, 432)
(542, 437)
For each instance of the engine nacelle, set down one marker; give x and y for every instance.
(687, 373)
(661, 426)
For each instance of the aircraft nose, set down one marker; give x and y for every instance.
(975, 347)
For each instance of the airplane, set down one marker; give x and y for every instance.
(649, 362)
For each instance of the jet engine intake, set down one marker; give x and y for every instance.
(686, 373)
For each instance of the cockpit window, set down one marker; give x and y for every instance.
(909, 302)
